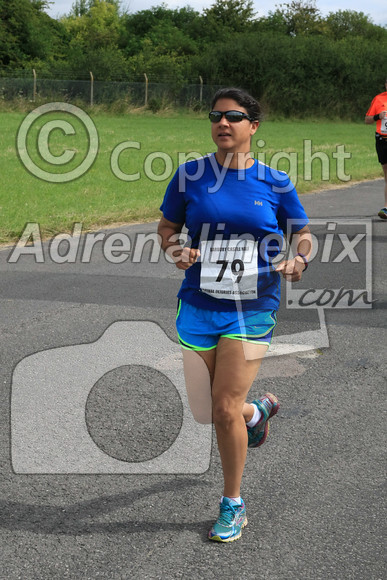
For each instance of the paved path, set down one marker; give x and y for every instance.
(90, 487)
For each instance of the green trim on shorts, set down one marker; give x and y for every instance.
(243, 336)
(192, 346)
(245, 339)
(183, 343)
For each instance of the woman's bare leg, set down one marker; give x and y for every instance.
(233, 377)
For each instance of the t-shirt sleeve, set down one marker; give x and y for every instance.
(173, 206)
(373, 108)
(291, 215)
(378, 105)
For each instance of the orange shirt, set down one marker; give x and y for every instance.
(378, 105)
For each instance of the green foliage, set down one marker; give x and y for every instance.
(173, 31)
(300, 17)
(158, 67)
(94, 44)
(80, 8)
(228, 16)
(97, 28)
(27, 33)
(294, 60)
(343, 23)
(300, 76)
(166, 38)
(155, 104)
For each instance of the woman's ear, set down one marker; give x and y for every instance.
(254, 127)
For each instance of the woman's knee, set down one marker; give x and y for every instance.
(226, 410)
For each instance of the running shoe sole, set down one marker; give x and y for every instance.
(227, 540)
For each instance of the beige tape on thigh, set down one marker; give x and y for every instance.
(198, 386)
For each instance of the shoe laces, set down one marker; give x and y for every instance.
(227, 515)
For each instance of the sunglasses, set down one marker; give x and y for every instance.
(231, 116)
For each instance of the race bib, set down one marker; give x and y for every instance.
(229, 269)
(383, 126)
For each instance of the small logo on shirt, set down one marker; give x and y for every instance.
(256, 202)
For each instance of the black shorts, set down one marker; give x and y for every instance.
(381, 149)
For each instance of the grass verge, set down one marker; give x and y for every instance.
(317, 155)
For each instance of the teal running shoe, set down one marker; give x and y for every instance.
(383, 213)
(268, 405)
(232, 518)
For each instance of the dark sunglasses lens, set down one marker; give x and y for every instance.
(234, 116)
(231, 116)
(215, 116)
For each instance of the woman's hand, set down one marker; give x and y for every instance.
(169, 240)
(185, 258)
(292, 270)
(301, 243)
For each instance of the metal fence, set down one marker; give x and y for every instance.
(153, 94)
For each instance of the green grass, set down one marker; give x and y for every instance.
(99, 198)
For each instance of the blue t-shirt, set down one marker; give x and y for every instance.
(218, 203)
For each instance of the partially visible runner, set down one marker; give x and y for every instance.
(236, 211)
(378, 112)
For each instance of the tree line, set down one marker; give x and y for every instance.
(294, 60)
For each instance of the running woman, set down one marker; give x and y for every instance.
(378, 112)
(236, 211)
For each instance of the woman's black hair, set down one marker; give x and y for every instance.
(243, 98)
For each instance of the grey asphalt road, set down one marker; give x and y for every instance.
(90, 411)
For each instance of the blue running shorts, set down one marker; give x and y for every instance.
(201, 329)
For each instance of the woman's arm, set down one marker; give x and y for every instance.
(169, 235)
(292, 269)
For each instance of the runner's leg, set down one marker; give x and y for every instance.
(233, 377)
(199, 368)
